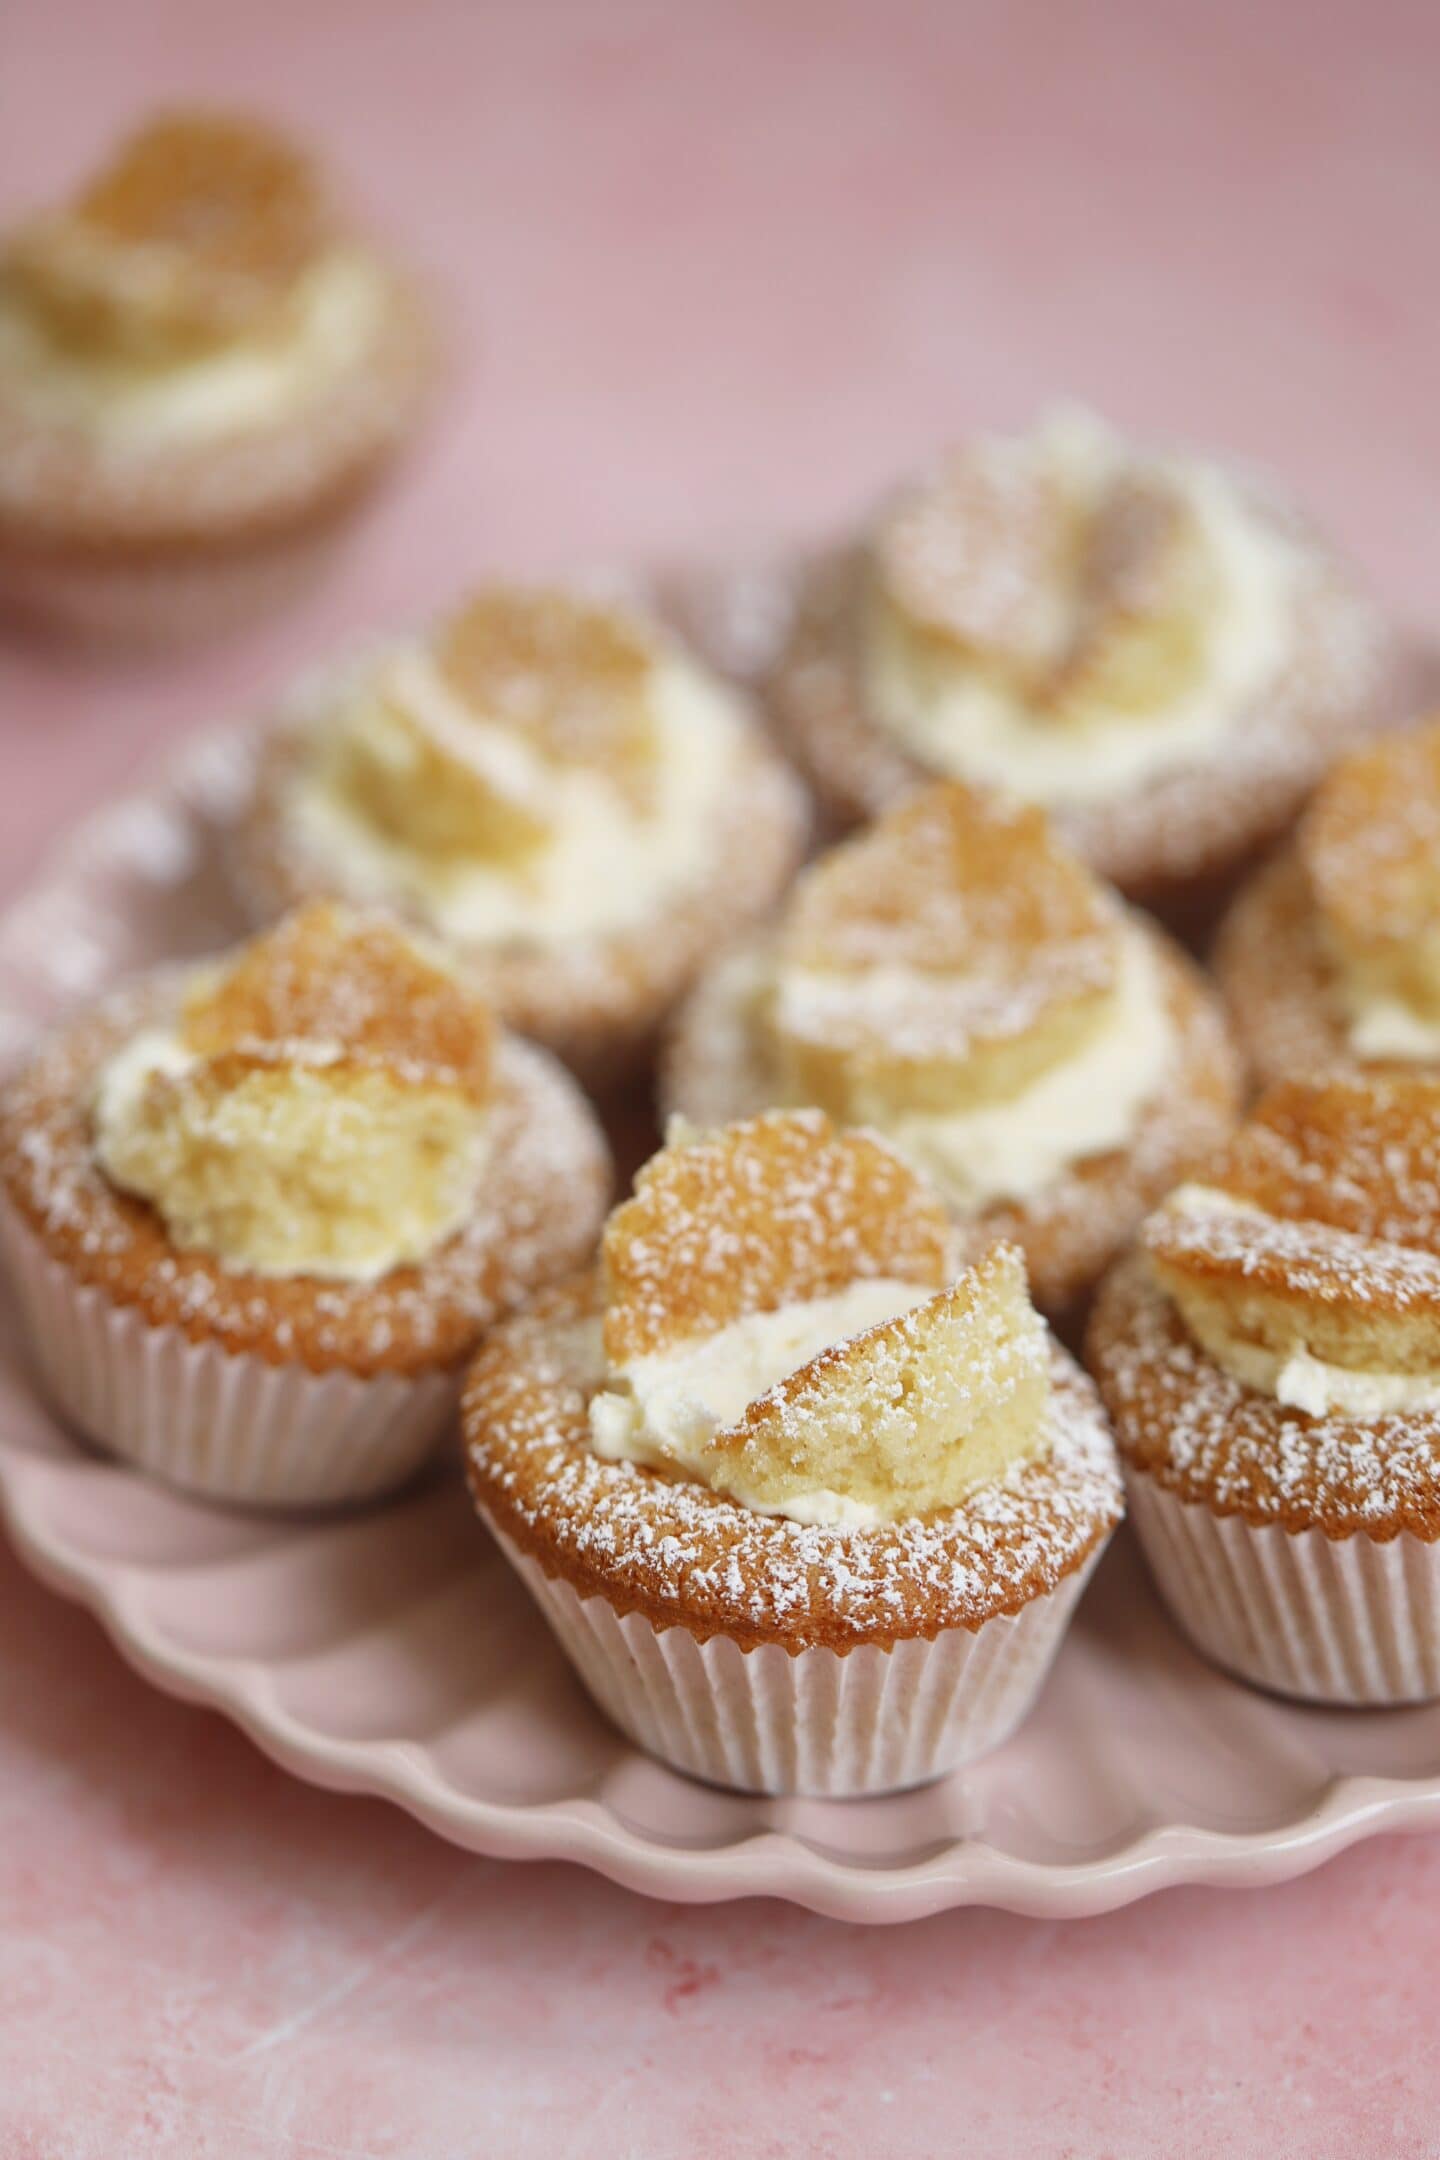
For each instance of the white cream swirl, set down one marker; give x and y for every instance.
(959, 720)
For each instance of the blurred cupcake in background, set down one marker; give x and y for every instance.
(1330, 957)
(552, 785)
(1145, 645)
(957, 980)
(203, 369)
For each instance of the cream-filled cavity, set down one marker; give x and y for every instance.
(300, 1164)
(252, 382)
(593, 862)
(961, 718)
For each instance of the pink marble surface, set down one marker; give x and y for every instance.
(718, 268)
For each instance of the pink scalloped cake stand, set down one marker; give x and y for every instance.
(390, 1652)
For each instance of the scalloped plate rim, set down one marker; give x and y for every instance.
(768, 1863)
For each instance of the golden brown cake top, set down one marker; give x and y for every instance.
(542, 770)
(196, 229)
(1369, 848)
(536, 1214)
(1370, 841)
(321, 1109)
(529, 736)
(1320, 1225)
(229, 191)
(1210, 1438)
(1355, 1155)
(944, 956)
(973, 555)
(571, 674)
(776, 1209)
(1271, 1349)
(1079, 592)
(1145, 594)
(333, 978)
(953, 882)
(682, 1554)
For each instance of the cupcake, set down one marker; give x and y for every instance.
(1144, 645)
(1270, 1358)
(203, 369)
(548, 783)
(957, 979)
(1330, 959)
(808, 1512)
(257, 1213)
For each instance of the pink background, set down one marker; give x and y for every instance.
(718, 270)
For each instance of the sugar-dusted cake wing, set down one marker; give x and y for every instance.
(941, 958)
(952, 880)
(758, 1215)
(1319, 1228)
(1090, 592)
(972, 557)
(572, 676)
(1359, 1155)
(346, 981)
(198, 225)
(428, 783)
(458, 753)
(912, 1414)
(1145, 596)
(1370, 849)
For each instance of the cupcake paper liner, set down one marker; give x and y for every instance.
(818, 1722)
(224, 1423)
(1329, 1620)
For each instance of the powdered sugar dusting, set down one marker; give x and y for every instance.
(596, 999)
(949, 881)
(1370, 842)
(685, 1555)
(1311, 1259)
(974, 550)
(1362, 1155)
(1205, 1435)
(1277, 979)
(719, 1067)
(954, 920)
(337, 979)
(537, 1214)
(1342, 678)
(762, 1214)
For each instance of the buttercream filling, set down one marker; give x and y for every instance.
(1294, 1376)
(257, 383)
(1307, 1383)
(603, 865)
(1086, 1105)
(1385, 1028)
(959, 721)
(664, 1409)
